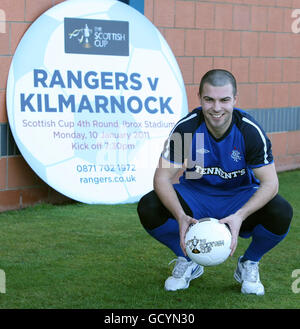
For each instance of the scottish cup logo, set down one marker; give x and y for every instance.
(82, 36)
(96, 37)
(201, 246)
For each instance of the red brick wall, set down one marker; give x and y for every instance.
(252, 38)
(19, 185)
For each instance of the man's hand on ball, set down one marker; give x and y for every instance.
(234, 222)
(184, 222)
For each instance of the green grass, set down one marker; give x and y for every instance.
(99, 256)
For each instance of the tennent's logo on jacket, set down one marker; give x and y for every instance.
(96, 37)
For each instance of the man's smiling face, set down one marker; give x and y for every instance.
(217, 107)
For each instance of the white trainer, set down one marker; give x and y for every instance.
(247, 274)
(184, 271)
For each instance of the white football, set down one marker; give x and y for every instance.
(208, 242)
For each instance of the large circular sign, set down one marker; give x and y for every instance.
(93, 92)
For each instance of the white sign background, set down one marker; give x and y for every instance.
(97, 141)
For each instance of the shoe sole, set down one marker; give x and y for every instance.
(252, 293)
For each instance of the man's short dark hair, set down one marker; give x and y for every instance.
(218, 78)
